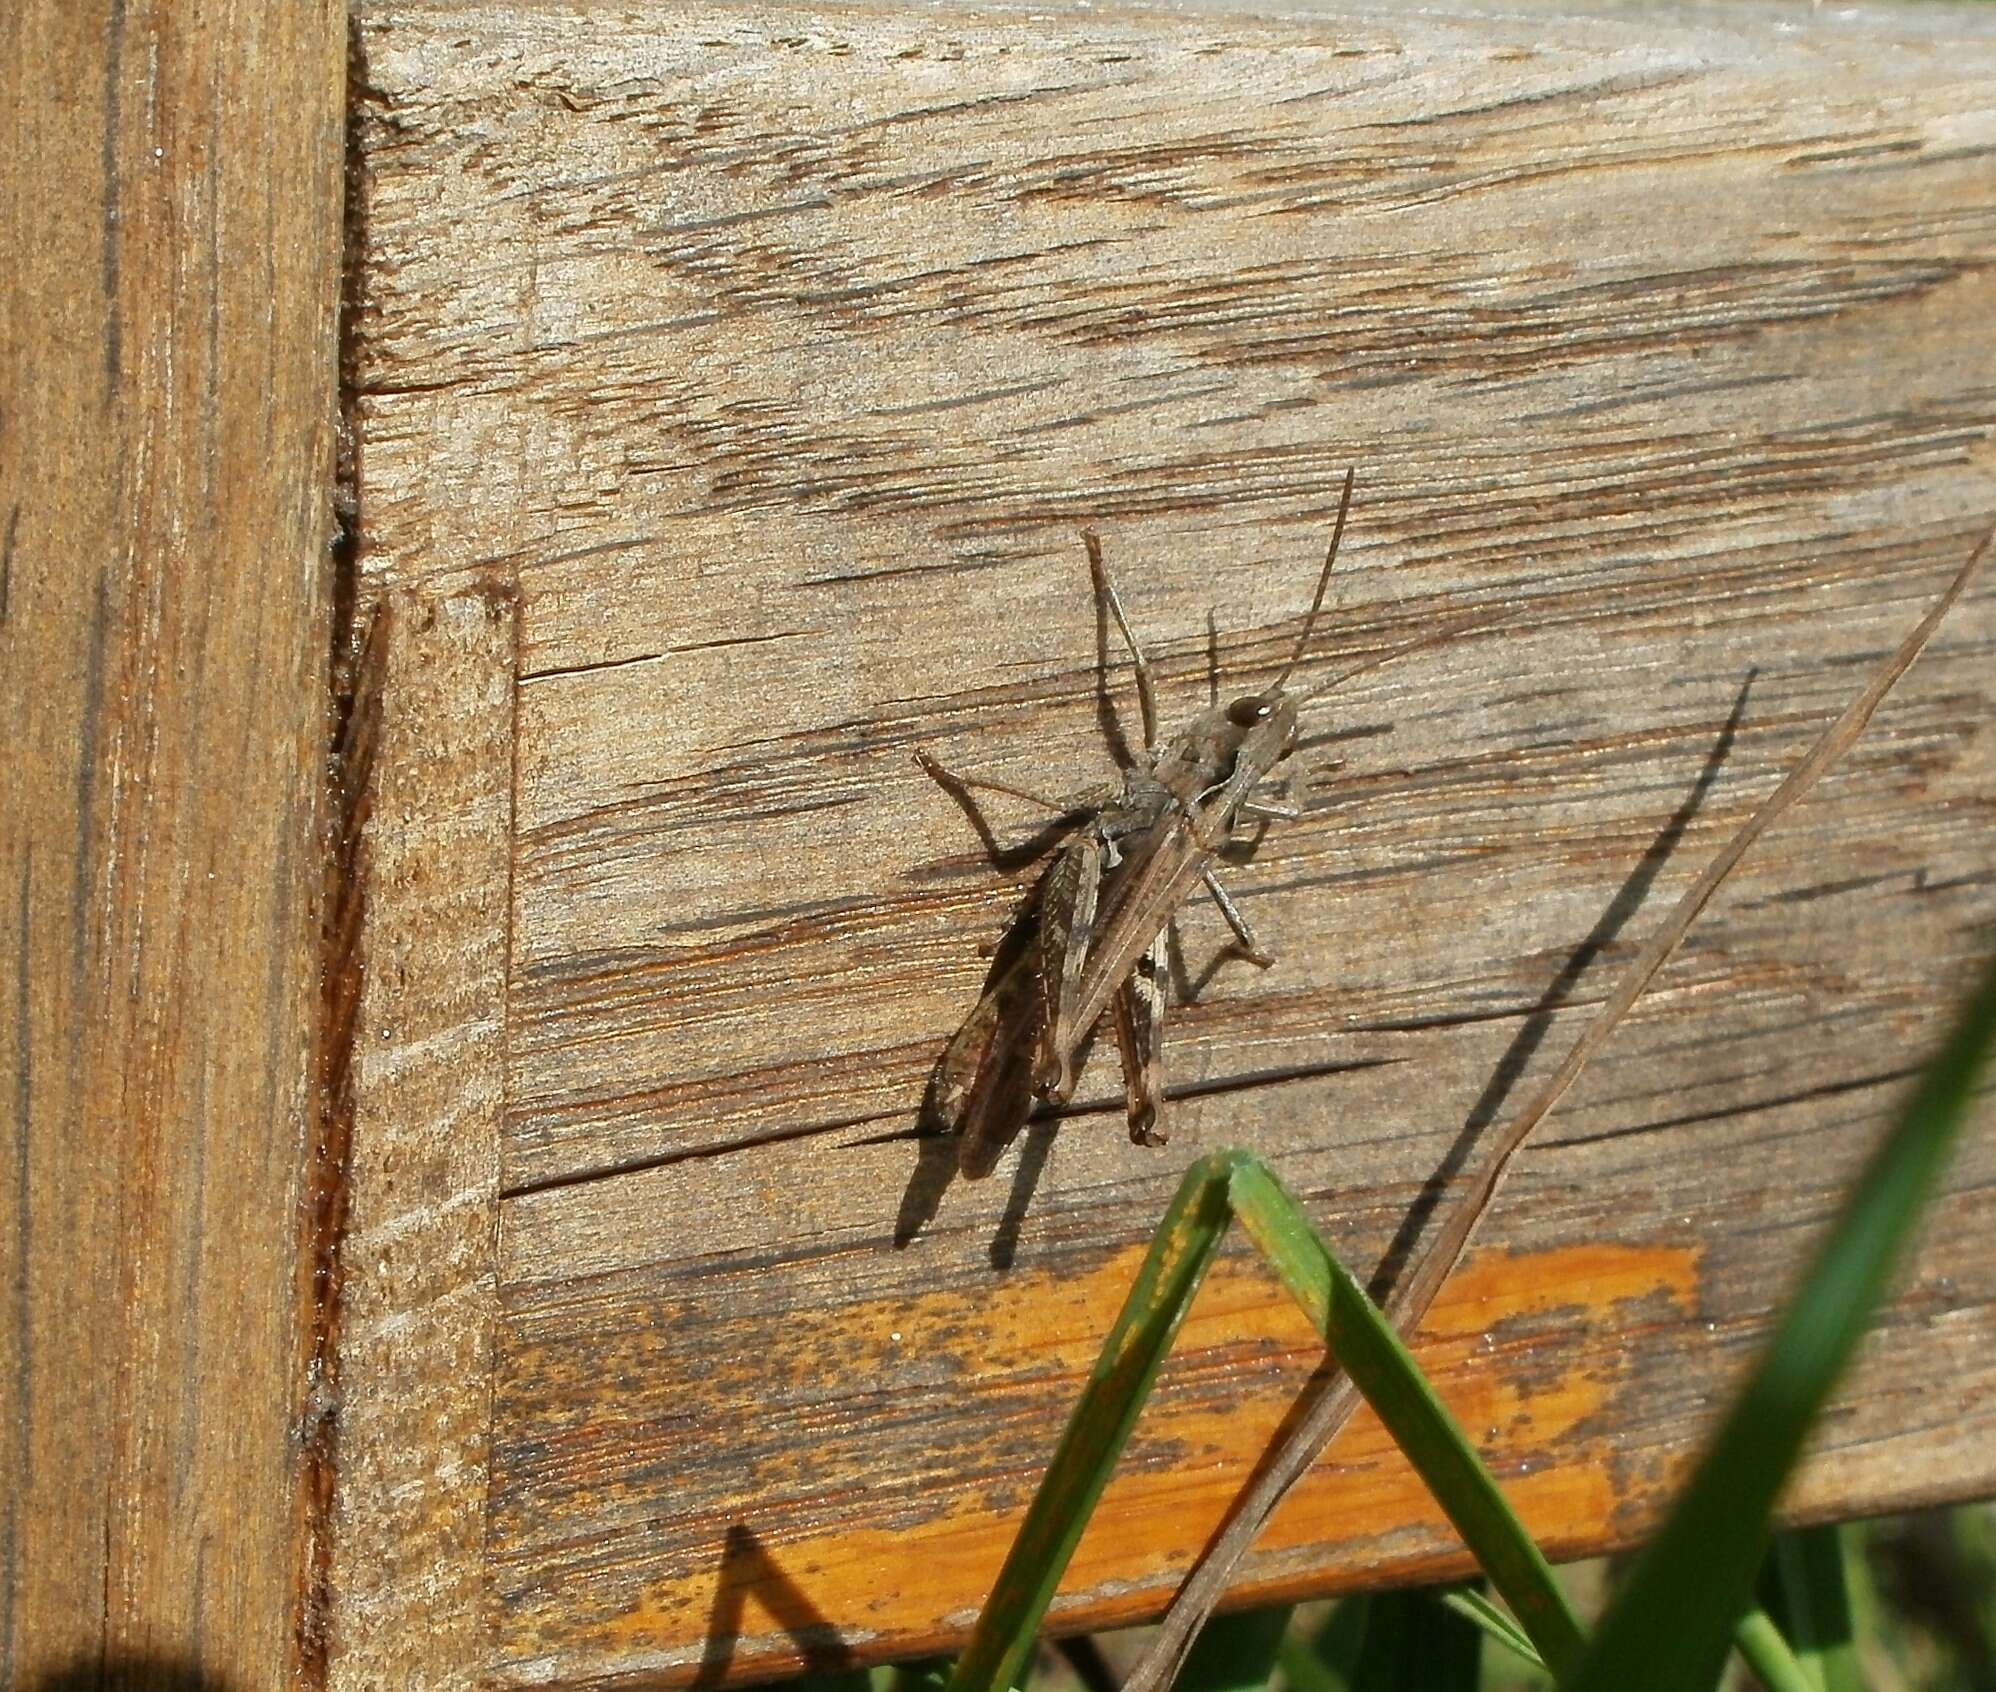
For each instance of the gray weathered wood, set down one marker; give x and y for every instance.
(777, 356)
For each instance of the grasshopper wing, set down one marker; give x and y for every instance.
(1067, 929)
(983, 1086)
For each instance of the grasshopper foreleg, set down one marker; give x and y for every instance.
(1243, 932)
(1146, 684)
(1074, 805)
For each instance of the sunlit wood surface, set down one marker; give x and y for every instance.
(765, 362)
(170, 219)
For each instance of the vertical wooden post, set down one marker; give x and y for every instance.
(171, 178)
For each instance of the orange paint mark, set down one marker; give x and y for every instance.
(1504, 1346)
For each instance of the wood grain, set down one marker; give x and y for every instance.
(167, 362)
(777, 356)
(432, 767)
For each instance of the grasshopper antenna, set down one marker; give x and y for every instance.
(1323, 581)
(1407, 648)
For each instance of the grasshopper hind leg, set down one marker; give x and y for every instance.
(1139, 1007)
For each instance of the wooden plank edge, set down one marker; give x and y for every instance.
(405, 1216)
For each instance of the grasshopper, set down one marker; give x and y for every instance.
(1104, 906)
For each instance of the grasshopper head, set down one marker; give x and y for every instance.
(1269, 718)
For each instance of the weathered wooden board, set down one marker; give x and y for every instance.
(168, 402)
(428, 760)
(776, 355)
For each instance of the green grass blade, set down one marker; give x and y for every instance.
(1668, 1625)
(1236, 1653)
(1475, 1608)
(1180, 1251)
(1301, 1671)
(1370, 1351)
(1971, 1541)
(1775, 1666)
(1327, 1661)
(1803, 1588)
(917, 1674)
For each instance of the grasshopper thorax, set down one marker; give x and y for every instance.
(1227, 743)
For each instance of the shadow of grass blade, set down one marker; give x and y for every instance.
(1668, 1626)
(1186, 1238)
(1368, 1349)
(1412, 1644)
(1236, 1653)
(1804, 1586)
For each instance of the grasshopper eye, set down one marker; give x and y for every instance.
(1249, 710)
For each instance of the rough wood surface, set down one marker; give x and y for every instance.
(777, 354)
(431, 764)
(167, 408)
